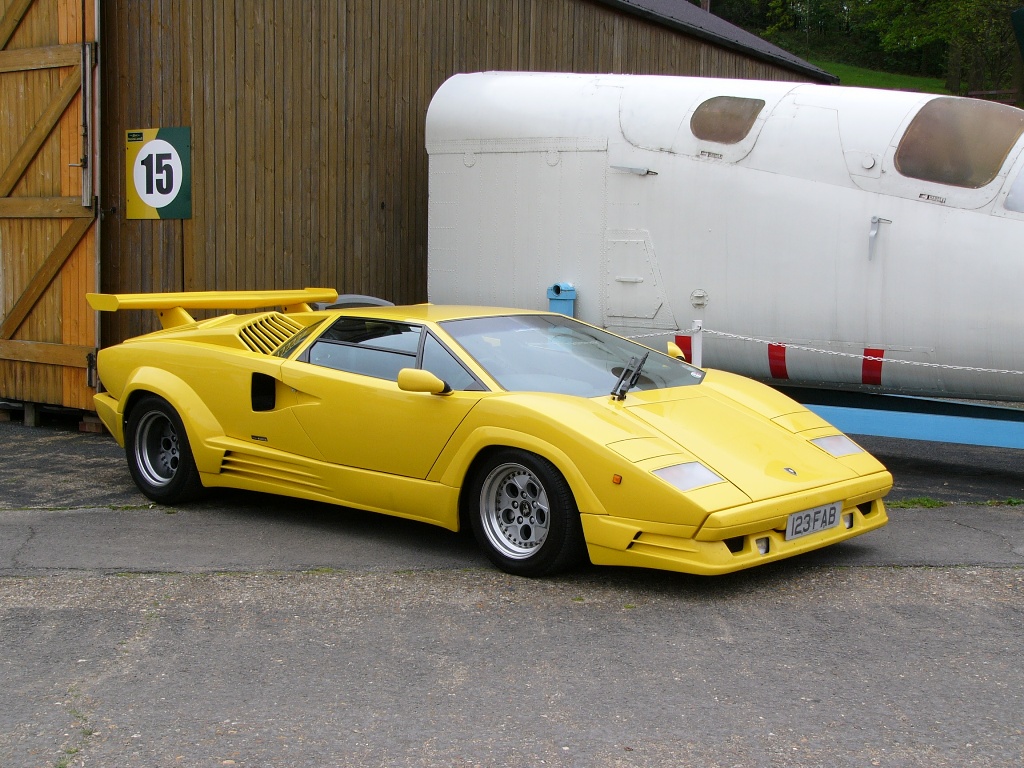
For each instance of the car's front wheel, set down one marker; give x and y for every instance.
(159, 455)
(524, 515)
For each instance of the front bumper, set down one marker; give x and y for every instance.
(618, 541)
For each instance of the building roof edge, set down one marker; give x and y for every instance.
(682, 16)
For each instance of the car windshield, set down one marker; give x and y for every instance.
(552, 353)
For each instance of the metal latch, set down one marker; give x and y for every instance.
(873, 234)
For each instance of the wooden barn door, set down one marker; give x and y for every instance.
(48, 254)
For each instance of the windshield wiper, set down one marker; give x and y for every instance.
(629, 377)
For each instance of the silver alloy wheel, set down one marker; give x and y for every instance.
(514, 511)
(156, 449)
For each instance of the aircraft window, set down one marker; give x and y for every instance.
(1015, 200)
(959, 142)
(725, 119)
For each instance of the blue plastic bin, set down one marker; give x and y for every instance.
(562, 298)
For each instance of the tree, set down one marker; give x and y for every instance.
(970, 42)
(978, 35)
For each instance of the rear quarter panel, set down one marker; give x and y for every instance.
(210, 388)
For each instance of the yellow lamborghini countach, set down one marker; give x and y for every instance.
(555, 441)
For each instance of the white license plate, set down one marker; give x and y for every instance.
(813, 520)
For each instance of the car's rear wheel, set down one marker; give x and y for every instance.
(159, 454)
(523, 514)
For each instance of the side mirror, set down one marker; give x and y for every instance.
(675, 351)
(418, 380)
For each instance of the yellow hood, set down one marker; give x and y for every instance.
(760, 458)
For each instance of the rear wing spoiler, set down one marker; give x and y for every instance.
(170, 307)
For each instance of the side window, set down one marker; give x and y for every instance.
(369, 347)
(725, 119)
(959, 142)
(440, 362)
(296, 341)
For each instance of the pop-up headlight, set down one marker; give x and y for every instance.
(688, 476)
(838, 445)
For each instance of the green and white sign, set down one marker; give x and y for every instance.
(158, 170)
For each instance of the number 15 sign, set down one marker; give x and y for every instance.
(158, 173)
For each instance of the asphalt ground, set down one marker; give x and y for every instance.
(259, 631)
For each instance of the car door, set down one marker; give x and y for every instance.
(348, 401)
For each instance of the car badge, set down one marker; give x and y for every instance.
(790, 470)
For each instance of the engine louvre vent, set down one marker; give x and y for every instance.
(268, 332)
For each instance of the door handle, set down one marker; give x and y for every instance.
(873, 234)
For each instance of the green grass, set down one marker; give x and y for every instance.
(869, 78)
(926, 502)
(326, 570)
(918, 502)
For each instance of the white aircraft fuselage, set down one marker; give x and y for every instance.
(823, 236)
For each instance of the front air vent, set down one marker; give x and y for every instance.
(268, 332)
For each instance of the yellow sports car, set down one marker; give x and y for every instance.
(553, 440)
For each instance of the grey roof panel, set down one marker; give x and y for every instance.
(691, 19)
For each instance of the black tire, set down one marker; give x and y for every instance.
(524, 515)
(159, 455)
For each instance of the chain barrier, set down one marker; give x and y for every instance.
(802, 348)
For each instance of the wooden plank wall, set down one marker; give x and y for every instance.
(60, 316)
(307, 122)
(78, 276)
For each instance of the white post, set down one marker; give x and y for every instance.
(697, 344)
